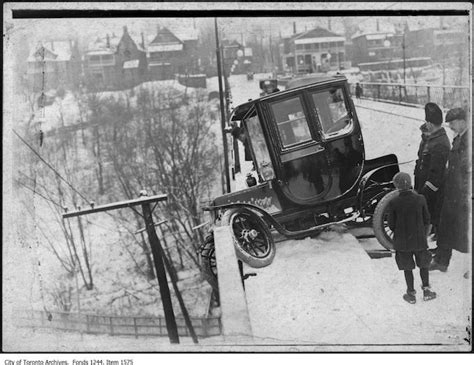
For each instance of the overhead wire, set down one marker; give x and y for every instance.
(51, 167)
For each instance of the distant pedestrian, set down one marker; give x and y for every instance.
(454, 220)
(358, 91)
(429, 170)
(409, 219)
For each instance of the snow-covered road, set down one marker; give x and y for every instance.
(327, 291)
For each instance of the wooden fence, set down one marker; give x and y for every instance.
(115, 325)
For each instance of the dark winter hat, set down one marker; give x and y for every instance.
(456, 113)
(433, 114)
(402, 181)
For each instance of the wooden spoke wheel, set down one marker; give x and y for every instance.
(252, 238)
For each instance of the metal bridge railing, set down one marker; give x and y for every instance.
(446, 96)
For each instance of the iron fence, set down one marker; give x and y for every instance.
(445, 96)
(116, 325)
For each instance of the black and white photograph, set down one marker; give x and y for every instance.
(207, 177)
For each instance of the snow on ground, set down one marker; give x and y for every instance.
(327, 291)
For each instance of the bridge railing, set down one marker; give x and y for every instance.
(446, 96)
(115, 325)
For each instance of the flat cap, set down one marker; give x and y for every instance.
(456, 113)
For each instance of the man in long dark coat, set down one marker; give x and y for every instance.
(430, 168)
(454, 218)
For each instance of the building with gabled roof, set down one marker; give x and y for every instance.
(113, 62)
(53, 64)
(168, 55)
(315, 50)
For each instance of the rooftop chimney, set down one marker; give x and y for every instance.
(143, 40)
(125, 30)
(294, 27)
(329, 23)
(378, 26)
(108, 41)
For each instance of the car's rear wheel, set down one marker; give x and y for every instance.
(382, 231)
(252, 238)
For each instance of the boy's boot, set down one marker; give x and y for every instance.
(410, 296)
(427, 293)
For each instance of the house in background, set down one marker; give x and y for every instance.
(168, 55)
(54, 64)
(316, 50)
(100, 64)
(437, 43)
(114, 63)
(130, 60)
(376, 46)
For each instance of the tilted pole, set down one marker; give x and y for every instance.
(223, 118)
(156, 250)
(158, 256)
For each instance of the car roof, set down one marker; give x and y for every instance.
(301, 82)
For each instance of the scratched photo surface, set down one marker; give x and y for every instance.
(123, 131)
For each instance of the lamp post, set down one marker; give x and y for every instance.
(223, 116)
(387, 44)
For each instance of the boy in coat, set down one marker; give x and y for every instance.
(453, 231)
(409, 219)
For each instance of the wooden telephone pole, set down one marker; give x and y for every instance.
(160, 260)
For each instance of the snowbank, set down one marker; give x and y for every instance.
(327, 291)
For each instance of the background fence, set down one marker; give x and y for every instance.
(446, 97)
(115, 325)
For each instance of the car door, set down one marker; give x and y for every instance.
(340, 136)
(304, 173)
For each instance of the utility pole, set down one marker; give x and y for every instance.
(225, 189)
(160, 260)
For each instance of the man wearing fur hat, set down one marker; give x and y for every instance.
(429, 170)
(409, 219)
(454, 217)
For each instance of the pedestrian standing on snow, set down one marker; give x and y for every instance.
(454, 217)
(434, 156)
(358, 91)
(409, 219)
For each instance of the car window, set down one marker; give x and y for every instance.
(332, 112)
(291, 121)
(260, 149)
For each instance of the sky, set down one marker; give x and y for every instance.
(32, 31)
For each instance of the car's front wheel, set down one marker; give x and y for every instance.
(252, 238)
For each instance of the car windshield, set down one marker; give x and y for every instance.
(332, 112)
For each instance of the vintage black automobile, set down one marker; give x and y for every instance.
(311, 172)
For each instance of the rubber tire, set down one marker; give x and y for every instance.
(379, 217)
(209, 274)
(263, 229)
